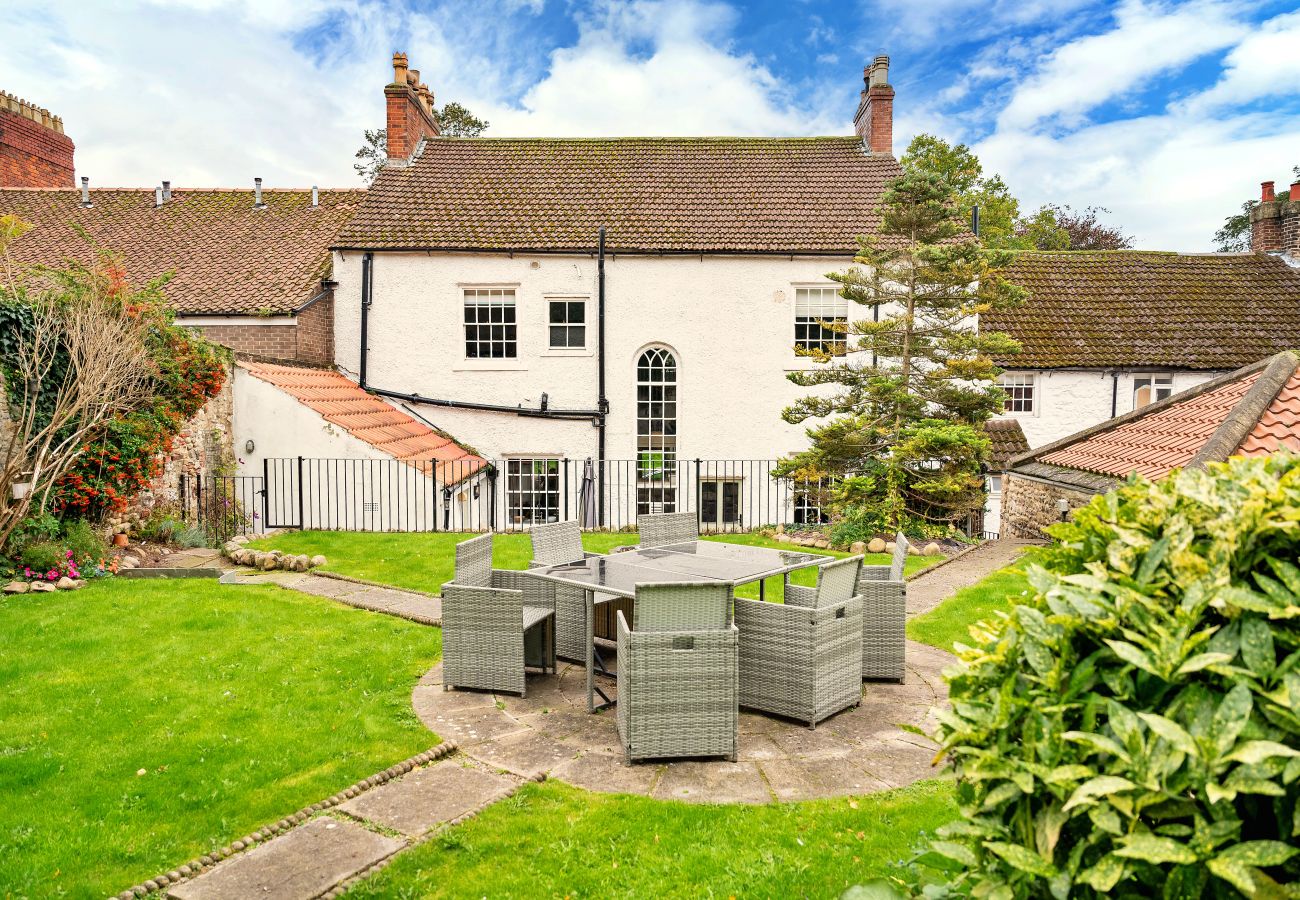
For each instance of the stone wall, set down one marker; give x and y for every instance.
(204, 446)
(1029, 506)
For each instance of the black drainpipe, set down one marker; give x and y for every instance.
(367, 260)
(1114, 393)
(602, 402)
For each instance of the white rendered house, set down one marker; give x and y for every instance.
(636, 301)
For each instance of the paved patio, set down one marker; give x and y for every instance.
(549, 732)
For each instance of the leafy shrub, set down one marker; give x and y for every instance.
(191, 536)
(38, 526)
(43, 556)
(1134, 726)
(160, 528)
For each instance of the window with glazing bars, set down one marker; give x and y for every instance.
(532, 491)
(1019, 388)
(814, 309)
(568, 324)
(656, 430)
(1148, 389)
(490, 325)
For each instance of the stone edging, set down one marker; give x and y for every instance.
(196, 866)
(939, 565)
(344, 886)
(378, 584)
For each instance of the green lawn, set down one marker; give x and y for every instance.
(950, 621)
(552, 840)
(424, 561)
(240, 705)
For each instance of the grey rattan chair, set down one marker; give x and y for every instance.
(662, 529)
(561, 542)
(803, 659)
(884, 617)
(495, 623)
(677, 673)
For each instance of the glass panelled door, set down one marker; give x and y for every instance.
(720, 505)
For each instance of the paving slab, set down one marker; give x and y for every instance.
(701, 781)
(526, 753)
(608, 772)
(822, 776)
(427, 797)
(299, 864)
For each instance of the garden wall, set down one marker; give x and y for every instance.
(1029, 505)
(204, 446)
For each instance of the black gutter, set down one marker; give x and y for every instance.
(602, 402)
(547, 413)
(366, 262)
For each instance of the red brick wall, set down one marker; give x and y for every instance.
(33, 155)
(407, 121)
(1275, 226)
(309, 340)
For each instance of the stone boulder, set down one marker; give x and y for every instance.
(42, 587)
(782, 538)
(822, 544)
(858, 547)
(890, 546)
(65, 584)
(876, 545)
(269, 563)
(317, 560)
(129, 562)
(17, 587)
(932, 549)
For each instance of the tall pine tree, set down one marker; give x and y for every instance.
(916, 380)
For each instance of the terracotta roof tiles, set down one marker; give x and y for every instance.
(368, 418)
(227, 256)
(777, 195)
(1140, 308)
(1279, 426)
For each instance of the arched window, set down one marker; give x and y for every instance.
(656, 431)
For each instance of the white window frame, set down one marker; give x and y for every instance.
(1155, 383)
(522, 475)
(585, 325)
(488, 297)
(812, 315)
(1029, 402)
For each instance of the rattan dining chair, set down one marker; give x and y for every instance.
(884, 617)
(677, 673)
(662, 529)
(803, 659)
(495, 623)
(558, 543)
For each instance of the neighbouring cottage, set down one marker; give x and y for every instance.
(1006, 440)
(1108, 332)
(474, 284)
(1252, 411)
(34, 151)
(250, 269)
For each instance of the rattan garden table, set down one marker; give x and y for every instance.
(617, 575)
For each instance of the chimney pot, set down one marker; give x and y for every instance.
(1265, 191)
(410, 116)
(257, 194)
(874, 122)
(1295, 192)
(413, 77)
(167, 190)
(399, 68)
(85, 192)
(315, 196)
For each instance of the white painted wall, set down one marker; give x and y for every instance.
(348, 482)
(1070, 400)
(728, 320)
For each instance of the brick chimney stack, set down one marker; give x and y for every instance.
(34, 151)
(410, 111)
(874, 122)
(1275, 223)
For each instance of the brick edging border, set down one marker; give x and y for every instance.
(196, 866)
(939, 565)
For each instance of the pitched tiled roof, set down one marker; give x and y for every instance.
(1252, 411)
(1139, 308)
(367, 418)
(1007, 439)
(778, 195)
(227, 256)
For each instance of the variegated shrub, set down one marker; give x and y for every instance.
(1133, 727)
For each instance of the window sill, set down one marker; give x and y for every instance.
(568, 351)
(489, 365)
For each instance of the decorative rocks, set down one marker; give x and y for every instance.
(932, 549)
(43, 587)
(858, 547)
(317, 560)
(268, 563)
(129, 562)
(17, 587)
(876, 545)
(65, 584)
(890, 546)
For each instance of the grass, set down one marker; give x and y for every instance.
(552, 840)
(240, 705)
(949, 622)
(424, 561)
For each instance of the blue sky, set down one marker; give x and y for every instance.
(1167, 113)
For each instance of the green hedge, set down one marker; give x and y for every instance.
(1133, 727)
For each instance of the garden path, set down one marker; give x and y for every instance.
(930, 587)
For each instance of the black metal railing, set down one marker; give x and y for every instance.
(512, 494)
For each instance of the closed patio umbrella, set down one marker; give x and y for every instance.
(587, 496)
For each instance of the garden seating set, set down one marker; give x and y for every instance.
(690, 653)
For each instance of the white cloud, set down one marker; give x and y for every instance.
(1147, 40)
(1265, 64)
